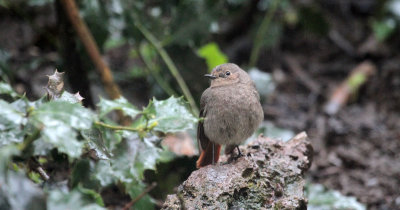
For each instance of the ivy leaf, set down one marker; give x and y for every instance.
(170, 115)
(121, 103)
(213, 55)
(60, 121)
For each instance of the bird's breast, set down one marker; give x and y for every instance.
(233, 114)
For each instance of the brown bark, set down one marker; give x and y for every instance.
(86, 37)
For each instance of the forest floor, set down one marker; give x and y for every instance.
(356, 150)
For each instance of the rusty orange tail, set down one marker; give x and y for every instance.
(206, 156)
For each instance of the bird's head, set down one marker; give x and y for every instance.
(227, 74)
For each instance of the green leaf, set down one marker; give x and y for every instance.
(104, 173)
(6, 153)
(59, 122)
(132, 157)
(75, 199)
(18, 192)
(91, 195)
(95, 141)
(268, 128)
(323, 199)
(263, 81)
(134, 189)
(383, 28)
(147, 155)
(121, 103)
(74, 115)
(39, 2)
(11, 121)
(69, 97)
(42, 147)
(213, 55)
(63, 137)
(6, 88)
(170, 115)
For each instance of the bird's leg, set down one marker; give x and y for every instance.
(239, 153)
(213, 145)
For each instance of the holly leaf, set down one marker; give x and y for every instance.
(134, 189)
(121, 103)
(59, 122)
(69, 97)
(6, 88)
(170, 115)
(18, 192)
(75, 199)
(95, 141)
(11, 120)
(131, 158)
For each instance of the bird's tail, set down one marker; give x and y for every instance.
(206, 156)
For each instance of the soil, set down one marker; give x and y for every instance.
(356, 150)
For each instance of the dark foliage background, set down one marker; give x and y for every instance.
(306, 49)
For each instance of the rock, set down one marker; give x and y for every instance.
(268, 176)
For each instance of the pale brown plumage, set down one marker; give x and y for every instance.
(231, 110)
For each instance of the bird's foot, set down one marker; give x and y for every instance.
(234, 157)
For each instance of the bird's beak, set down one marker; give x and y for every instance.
(210, 76)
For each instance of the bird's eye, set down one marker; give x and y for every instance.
(227, 73)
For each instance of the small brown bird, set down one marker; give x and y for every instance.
(231, 110)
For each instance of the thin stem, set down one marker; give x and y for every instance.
(170, 64)
(30, 139)
(262, 31)
(151, 68)
(117, 127)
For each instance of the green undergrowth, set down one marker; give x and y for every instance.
(57, 154)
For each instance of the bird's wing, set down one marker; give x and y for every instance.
(202, 139)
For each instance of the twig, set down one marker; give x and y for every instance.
(86, 37)
(42, 173)
(170, 64)
(147, 190)
(151, 68)
(350, 86)
(262, 31)
(341, 42)
(295, 67)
